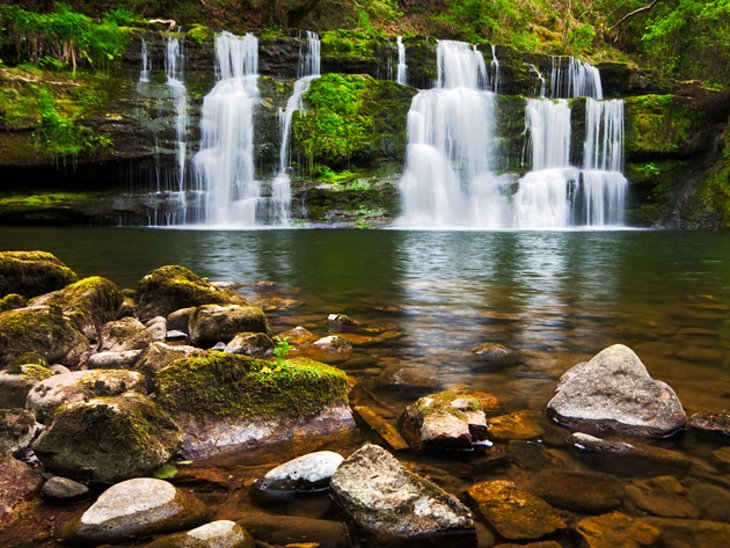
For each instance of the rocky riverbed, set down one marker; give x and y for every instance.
(189, 413)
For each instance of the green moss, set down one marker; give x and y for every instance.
(713, 194)
(351, 119)
(12, 301)
(233, 386)
(200, 34)
(44, 331)
(661, 124)
(347, 44)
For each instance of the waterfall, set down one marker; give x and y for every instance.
(401, 76)
(541, 78)
(225, 163)
(577, 79)
(603, 184)
(309, 70)
(495, 70)
(144, 72)
(448, 180)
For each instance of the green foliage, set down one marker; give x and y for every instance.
(347, 43)
(200, 34)
(281, 350)
(165, 472)
(581, 39)
(71, 39)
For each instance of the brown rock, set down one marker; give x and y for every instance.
(522, 425)
(616, 529)
(579, 491)
(20, 488)
(663, 496)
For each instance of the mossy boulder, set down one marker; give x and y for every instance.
(124, 334)
(12, 301)
(212, 323)
(78, 386)
(226, 402)
(133, 509)
(42, 329)
(32, 273)
(159, 355)
(89, 303)
(108, 439)
(172, 287)
(18, 381)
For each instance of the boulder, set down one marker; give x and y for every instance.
(613, 391)
(77, 386)
(173, 287)
(515, 514)
(88, 303)
(216, 534)
(157, 327)
(32, 273)
(392, 506)
(114, 360)
(179, 320)
(159, 355)
(43, 330)
(18, 427)
(452, 419)
(226, 402)
(60, 490)
(108, 439)
(20, 486)
(213, 323)
(14, 387)
(257, 345)
(308, 473)
(125, 334)
(717, 422)
(133, 509)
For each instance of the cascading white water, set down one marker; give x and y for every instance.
(448, 179)
(402, 73)
(144, 72)
(577, 79)
(494, 65)
(225, 163)
(603, 183)
(541, 78)
(309, 70)
(174, 68)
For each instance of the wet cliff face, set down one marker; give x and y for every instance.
(129, 135)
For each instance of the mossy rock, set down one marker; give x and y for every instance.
(665, 125)
(172, 287)
(89, 303)
(212, 323)
(31, 273)
(108, 439)
(18, 381)
(351, 120)
(43, 330)
(229, 400)
(12, 301)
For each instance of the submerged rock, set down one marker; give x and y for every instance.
(495, 354)
(616, 529)
(337, 322)
(716, 422)
(521, 425)
(298, 335)
(681, 533)
(134, 509)
(77, 386)
(282, 530)
(212, 323)
(32, 273)
(579, 491)
(226, 402)
(613, 391)
(333, 349)
(651, 455)
(515, 514)
(662, 496)
(216, 534)
(173, 287)
(108, 439)
(393, 506)
(453, 419)
(43, 330)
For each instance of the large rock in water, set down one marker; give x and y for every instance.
(135, 508)
(226, 402)
(108, 439)
(88, 303)
(32, 273)
(43, 330)
(393, 506)
(613, 391)
(172, 287)
(212, 323)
